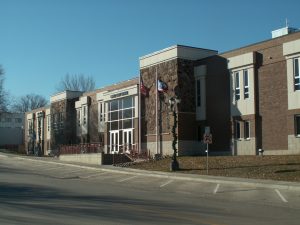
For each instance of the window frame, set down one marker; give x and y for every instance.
(121, 121)
(237, 134)
(247, 130)
(297, 125)
(48, 123)
(246, 86)
(237, 88)
(296, 74)
(198, 92)
(102, 113)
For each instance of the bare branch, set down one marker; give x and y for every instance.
(3, 93)
(29, 102)
(76, 82)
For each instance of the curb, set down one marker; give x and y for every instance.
(282, 185)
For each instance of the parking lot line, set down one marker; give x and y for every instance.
(128, 178)
(280, 195)
(165, 184)
(216, 188)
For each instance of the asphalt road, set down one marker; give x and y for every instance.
(35, 192)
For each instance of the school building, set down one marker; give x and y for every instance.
(248, 97)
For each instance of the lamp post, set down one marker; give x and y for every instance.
(174, 101)
(40, 136)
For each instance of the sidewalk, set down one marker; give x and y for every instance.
(284, 185)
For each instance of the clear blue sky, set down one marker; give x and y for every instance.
(42, 40)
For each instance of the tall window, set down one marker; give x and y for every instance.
(297, 125)
(53, 121)
(237, 85)
(237, 130)
(48, 122)
(296, 74)
(84, 114)
(61, 120)
(102, 112)
(246, 84)
(78, 117)
(247, 130)
(198, 91)
(121, 113)
(30, 126)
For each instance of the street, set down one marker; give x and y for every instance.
(36, 192)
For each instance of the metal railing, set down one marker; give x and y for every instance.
(81, 148)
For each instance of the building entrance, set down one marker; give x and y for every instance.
(127, 140)
(114, 142)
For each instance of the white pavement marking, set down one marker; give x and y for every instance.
(280, 195)
(164, 184)
(216, 189)
(128, 178)
(4, 156)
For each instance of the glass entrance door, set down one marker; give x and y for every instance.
(114, 142)
(127, 140)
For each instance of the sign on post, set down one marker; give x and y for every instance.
(207, 138)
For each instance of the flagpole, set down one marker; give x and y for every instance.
(156, 107)
(140, 114)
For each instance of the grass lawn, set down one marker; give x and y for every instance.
(284, 168)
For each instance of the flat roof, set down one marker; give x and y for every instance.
(260, 42)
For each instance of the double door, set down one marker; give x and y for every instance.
(121, 141)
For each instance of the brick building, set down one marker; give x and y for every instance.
(203, 89)
(248, 97)
(265, 95)
(37, 131)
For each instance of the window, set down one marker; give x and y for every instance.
(246, 84)
(78, 117)
(30, 127)
(114, 105)
(237, 86)
(296, 74)
(237, 130)
(61, 120)
(297, 125)
(120, 113)
(48, 123)
(198, 92)
(84, 114)
(102, 112)
(8, 120)
(127, 102)
(247, 130)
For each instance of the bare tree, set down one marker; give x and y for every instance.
(76, 82)
(29, 102)
(3, 93)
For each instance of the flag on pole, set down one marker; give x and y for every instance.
(143, 89)
(161, 86)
